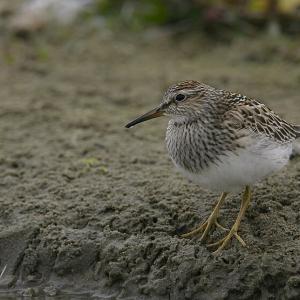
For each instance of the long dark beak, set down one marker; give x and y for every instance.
(154, 113)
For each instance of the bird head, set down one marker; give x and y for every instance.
(183, 100)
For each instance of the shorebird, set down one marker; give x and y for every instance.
(224, 142)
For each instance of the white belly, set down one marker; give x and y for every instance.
(245, 167)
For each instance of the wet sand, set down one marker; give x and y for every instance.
(89, 207)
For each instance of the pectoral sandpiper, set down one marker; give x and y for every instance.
(223, 141)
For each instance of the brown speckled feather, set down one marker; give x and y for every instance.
(247, 113)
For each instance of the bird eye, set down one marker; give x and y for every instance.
(180, 97)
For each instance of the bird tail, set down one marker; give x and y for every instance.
(297, 129)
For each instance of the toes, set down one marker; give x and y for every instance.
(194, 232)
(220, 226)
(206, 231)
(225, 241)
(216, 243)
(240, 239)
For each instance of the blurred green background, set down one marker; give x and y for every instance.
(239, 15)
(213, 16)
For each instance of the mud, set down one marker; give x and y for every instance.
(90, 208)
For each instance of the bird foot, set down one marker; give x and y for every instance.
(225, 241)
(205, 228)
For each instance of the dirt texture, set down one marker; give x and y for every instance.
(91, 208)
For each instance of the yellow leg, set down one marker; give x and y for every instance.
(212, 220)
(233, 231)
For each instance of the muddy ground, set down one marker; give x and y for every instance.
(90, 208)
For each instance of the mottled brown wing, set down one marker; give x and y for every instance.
(250, 114)
(297, 128)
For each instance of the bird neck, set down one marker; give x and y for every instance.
(201, 118)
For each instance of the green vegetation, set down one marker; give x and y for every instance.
(139, 14)
(236, 15)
